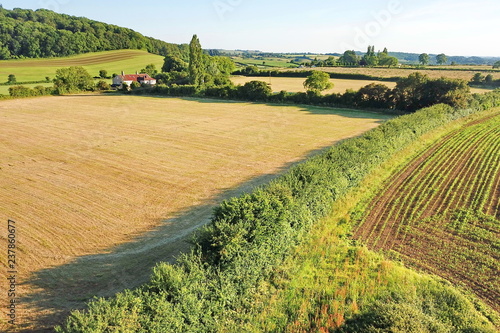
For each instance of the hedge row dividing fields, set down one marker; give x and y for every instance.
(441, 211)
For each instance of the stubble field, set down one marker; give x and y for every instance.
(296, 84)
(102, 187)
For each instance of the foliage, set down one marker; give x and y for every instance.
(174, 64)
(103, 74)
(134, 85)
(373, 96)
(255, 91)
(496, 65)
(418, 91)
(445, 192)
(150, 70)
(103, 85)
(441, 59)
(424, 59)
(349, 58)
(196, 64)
(73, 79)
(11, 79)
(389, 61)
(317, 82)
(21, 91)
(370, 58)
(44, 33)
(478, 78)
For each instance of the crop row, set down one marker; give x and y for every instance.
(396, 204)
(428, 211)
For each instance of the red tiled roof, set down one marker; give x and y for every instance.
(136, 77)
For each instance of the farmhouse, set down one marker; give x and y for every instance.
(118, 80)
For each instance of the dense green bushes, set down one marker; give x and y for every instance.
(234, 258)
(22, 91)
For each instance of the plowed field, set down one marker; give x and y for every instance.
(441, 212)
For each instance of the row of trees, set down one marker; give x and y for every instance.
(43, 33)
(352, 59)
(441, 59)
(484, 80)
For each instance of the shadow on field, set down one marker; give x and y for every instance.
(322, 110)
(64, 288)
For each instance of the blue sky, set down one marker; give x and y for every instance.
(453, 27)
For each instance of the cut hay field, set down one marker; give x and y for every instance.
(296, 84)
(403, 72)
(102, 187)
(129, 61)
(441, 211)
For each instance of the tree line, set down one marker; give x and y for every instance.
(43, 33)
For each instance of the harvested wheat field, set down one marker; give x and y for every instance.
(101, 186)
(296, 84)
(432, 72)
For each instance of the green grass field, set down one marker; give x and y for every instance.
(265, 63)
(129, 61)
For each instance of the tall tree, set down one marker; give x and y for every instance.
(173, 64)
(349, 58)
(370, 58)
(424, 58)
(196, 64)
(317, 82)
(441, 59)
(389, 61)
(73, 79)
(12, 79)
(496, 65)
(150, 70)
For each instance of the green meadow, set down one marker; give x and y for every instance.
(29, 70)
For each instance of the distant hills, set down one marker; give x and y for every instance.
(43, 33)
(403, 57)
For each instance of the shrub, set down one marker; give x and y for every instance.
(255, 91)
(102, 85)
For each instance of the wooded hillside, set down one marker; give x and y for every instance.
(43, 33)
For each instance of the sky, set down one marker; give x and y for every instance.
(453, 27)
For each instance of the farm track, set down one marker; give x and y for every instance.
(411, 214)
